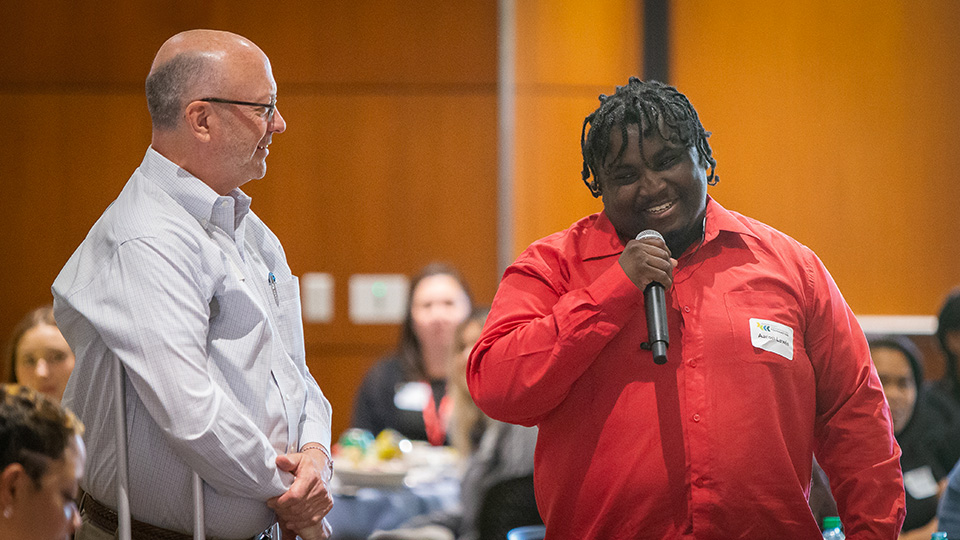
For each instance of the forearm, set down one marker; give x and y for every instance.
(538, 342)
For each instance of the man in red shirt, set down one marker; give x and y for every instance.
(766, 367)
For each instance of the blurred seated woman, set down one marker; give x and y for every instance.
(923, 438)
(41, 461)
(496, 493)
(407, 391)
(38, 356)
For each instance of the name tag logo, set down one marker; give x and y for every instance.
(772, 336)
(412, 396)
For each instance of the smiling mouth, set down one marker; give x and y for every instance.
(660, 208)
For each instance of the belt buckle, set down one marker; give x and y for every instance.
(270, 533)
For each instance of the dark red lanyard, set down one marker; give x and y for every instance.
(436, 424)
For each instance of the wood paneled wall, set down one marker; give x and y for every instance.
(835, 122)
(567, 55)
(388, 162)
(831, 121)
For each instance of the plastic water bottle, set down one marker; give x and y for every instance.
(938, 536)
(832, 529)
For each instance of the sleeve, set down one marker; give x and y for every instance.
(853, 430)
(316, 422)
(150, 309)
(539, 339)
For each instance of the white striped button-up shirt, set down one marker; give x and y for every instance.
(192, 292)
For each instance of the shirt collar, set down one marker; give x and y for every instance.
(720, 219)
(603, 240)
(196, 197)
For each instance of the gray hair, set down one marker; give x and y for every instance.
(169, 85)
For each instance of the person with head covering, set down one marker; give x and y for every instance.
(923, 438)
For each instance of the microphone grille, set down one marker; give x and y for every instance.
(649, 233)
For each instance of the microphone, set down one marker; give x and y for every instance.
(654, 300)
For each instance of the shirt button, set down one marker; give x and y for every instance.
(692, 363)
(696, 417)
(686, 309)
(698, 482)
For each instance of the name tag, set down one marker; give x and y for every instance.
(920, 483)
(772, 336)
(412, 396)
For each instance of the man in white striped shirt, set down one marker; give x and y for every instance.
(184, 284)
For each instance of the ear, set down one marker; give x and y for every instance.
(198, 116)
(11, 479)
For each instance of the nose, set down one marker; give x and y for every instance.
(650, 183)
(43, 369)
(278, 124)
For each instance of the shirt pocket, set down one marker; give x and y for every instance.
(765, 328)
(289, 323)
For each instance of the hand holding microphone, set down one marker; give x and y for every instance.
(648, 264)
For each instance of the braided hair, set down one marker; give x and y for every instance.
(650, 105)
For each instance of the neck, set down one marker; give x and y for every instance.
(680, 241)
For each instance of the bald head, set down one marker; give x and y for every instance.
(192, 65)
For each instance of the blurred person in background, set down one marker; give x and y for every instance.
(927, 442)
(41, 461)
(948, 334)
(38, 356)
(948, 513)
(923, 438)
(467, 422)
(945, 392)
(407, 390)
(766, 367)
(496, 493)
(495, 454)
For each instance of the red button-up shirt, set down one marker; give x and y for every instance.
(716, 443)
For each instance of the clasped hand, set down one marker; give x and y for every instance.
(301, 510)
(648, 260)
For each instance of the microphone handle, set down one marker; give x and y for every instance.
(656, 308)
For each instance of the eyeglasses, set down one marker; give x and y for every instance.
(271, 107)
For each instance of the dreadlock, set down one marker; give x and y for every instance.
(650, 105)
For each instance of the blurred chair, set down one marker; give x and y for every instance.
(530, 532)
(507, 506)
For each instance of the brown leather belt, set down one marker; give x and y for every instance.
(106, 518)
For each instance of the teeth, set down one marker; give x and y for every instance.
(660, 208)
